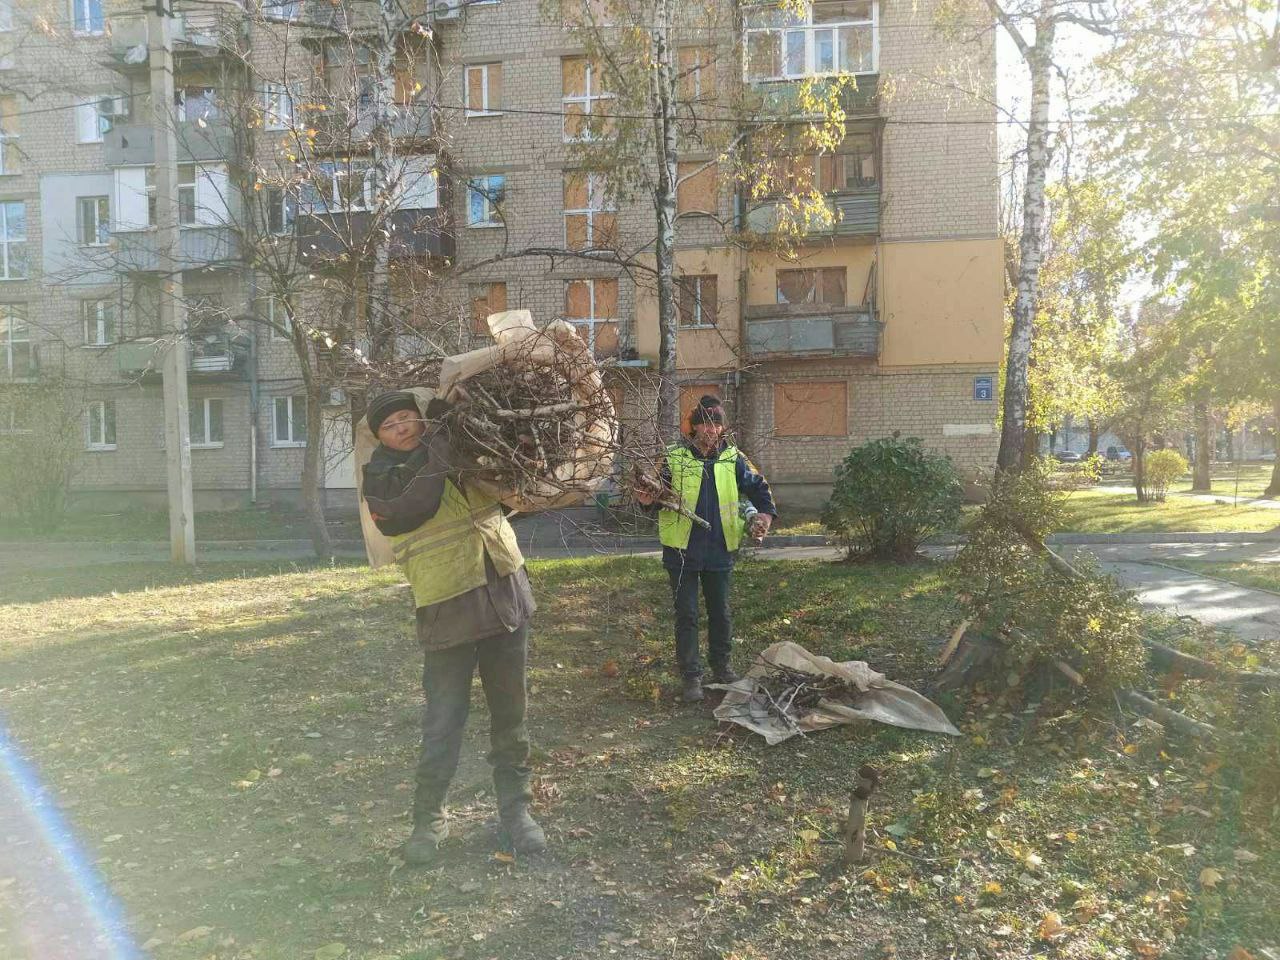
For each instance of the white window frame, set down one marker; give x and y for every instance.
(489, 205)
(16, 315)
(203, 413)
(289, 441)
(188, 214)
(7, 168)
(597, 188)
(277, 106)
(278, 200)
(95, 414)
(95, 316)
(6, 16)
(588, 100)
(274, 305)
(7, 241)
(286, 11)
(82, 13)
(486, 109)
(11, 426)
(592, 322)
(336, 173)
(89, 107)
(100, 209)
(808, 32)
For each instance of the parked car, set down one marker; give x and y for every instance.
(1118, 454)
(1067, 456)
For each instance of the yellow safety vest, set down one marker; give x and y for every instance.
(686, 480)
(444, 558)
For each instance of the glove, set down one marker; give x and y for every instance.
(437, 408)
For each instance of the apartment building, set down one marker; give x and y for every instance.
(887, 319)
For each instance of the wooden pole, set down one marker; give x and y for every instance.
(855, 828)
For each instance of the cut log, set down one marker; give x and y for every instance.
(1170, 718)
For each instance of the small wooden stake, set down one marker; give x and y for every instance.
(855, 828)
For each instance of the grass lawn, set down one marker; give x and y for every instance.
(1105, 511)
(1250, 573)
(266, 522)
(234, 745)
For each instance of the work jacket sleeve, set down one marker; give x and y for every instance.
(753, 486)
(404, 494)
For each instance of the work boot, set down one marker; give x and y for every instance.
(423, 845)
(692, 690)
(522, 831)
(725, 674)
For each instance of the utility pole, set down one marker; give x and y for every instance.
(177, 428)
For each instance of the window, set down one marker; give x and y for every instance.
(196, 103)
(280, 211)
(819, 285)
(17, 358)
(6, 14)
(93, 117)
(277, 106)
(8, 135)
(696, 187)
(586, 101)
(278, 319)
(811, 409)
(850, 169)
(186, 194)
(831, 36)
(15, 417)
(282, 9)
(486, 298)
(592, 306)
(93, 221)
(696, 74)
(100, 425)
(289, 423)
(86, 16)
(98, 318)
(483, 89)
(698, 300)
(341, 187)
(590, 219)
(205, 420)
(484, 201)
(13, 240)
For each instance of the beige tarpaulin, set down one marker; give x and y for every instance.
(880, 699)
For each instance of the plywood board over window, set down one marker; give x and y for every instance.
(486, 298)
(812, 408)
(697, 193)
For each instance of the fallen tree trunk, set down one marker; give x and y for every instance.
(1171, 718)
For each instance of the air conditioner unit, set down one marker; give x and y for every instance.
(448, 9)
(113, 108)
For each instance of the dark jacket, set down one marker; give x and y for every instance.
(403, 490)
(706, 549)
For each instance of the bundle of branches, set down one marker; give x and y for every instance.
(792, 693)
(539, 424)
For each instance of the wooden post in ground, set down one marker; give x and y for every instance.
(855, 828)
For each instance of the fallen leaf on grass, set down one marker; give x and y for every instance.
(113, 838)
(195, 933)
(1239, 953)
(1246, 856)
(1051, 926)
(610, 668)
(502, 857)
(1210, 878)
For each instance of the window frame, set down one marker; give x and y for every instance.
(87, 8)
(6, 16)
(7, 136)
(277, 106)
(588, 98)
(206, 420)
(101, 420)
(270, 10)
(208, 95)
(101, 122)
(16, 317)
(487, 109)
(291, 442)
(281, 206)
(491, 201)
(477, 325)
(808, 30)
(276, 335)
(816, 287)
(594, 321)
(596, 188)
(100, 208)
(6, 241)
(100, 321)
(698, 280)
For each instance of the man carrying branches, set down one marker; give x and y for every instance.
(703, 478)
(474, 602)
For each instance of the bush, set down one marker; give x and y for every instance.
(36, 464)
(1161, 468)
(889, 496)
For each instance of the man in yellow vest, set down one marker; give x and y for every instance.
(707, 477)
(473, 602)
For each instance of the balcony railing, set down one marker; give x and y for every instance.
(133, 144)
(341, 120)
(201, 246)
(208, 30)
(812, 330)
(211, 356)
(857, 214)
(412, 233)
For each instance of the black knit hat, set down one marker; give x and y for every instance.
(708, 410)
(385, 404)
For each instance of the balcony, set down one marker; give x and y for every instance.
(341, 122)
(779, 331)
(133, 144)
(781, 99)
(413, 234)
(209, 30)
(212, 357)
(857, 214)
(212, 246)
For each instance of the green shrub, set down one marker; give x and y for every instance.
(38, 458)
(1160, 469)
(889, 496)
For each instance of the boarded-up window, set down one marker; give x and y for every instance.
(486, 298)
(698, 300)
(696, 74)
(812, 285)
(590, 219)
(811, 409)
(697, 193)
(8, 135)
(592, 306)
(690, 394)
(483, 88)
(586, 100)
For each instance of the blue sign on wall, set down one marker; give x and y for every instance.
(984, 388)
